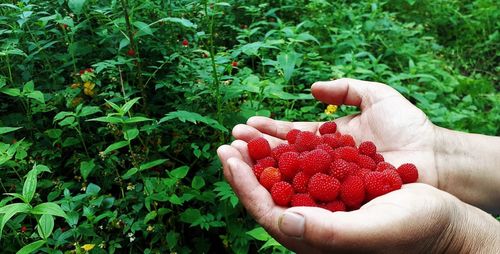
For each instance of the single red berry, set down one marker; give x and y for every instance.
(408, 173)
(393, 179)
(89, 70)
(282, 193)
(23, 229)
(131, 52)
(300, 181)
(367, 148)
(378, 158)
(185, 43)
(258, 148)
(328, 128)
(365, 161)
(334, 206)
(289, 164)
(306, 141)
(339, 169)
(326, 148)
(361, 172)
(315, 161)
(347, 140)
(376, 185)
(291, 136)
(267, 162)
(382, 166)
(282, 148)
(257, 170)
(352, 191)
(269, 177)
(323, 187)
(332, 140)
(348, 153)
(234, 64)
(303, 199)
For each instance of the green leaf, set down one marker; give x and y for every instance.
(115, 146)
(127, 106)
(287, 62)
(130, 134)
(67, 121)
(62, 115)
(143, 28)
(130, 173)
(29, 186)
(31, 247)
(180, 172)
(184, 116)
(49, 208)
(150, 216)
(29, 87)
(115, 107)
(107, 119)
(259, 233)
(45, 226)
(4, 130)
(86, 168)
(76, 6)
(88, 110)
(37, 95)
(137, 119)
(9, 211)
(198, 182)
(184, 22)
(15, 92)
(151, 164)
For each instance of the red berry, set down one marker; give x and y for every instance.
(332, 140)
(289, 164)
(306, 141)
(185, 43)
(23, 229)
(282, 148)
(339, 169)
(393, 179)
(257, 170)
(408, 173)
(376, 184)
(378, 158)
(282, 193)
(326, 148)
(259, 148)
(291, 136)
(234, 64)
(348, 153)
(328, 128)
(267, 162)
(347, 140)
(269, 177)
(366, 162)
(382, 166)
(302, 199)
(300, 182)
(367, 148)
(352, 191)
(315, 161)
(323, 187)
(334, 206)
(131, 52)
(361, 172)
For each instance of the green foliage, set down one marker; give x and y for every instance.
(126, 101)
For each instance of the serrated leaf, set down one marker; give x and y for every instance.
(180, 172)
(86, 167)
(184, 22)
(49, 208)
(115, 146)
(31, 247)
(4, 130)
(198, 182)
(193, 117)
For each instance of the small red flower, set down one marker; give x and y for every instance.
(234, 64)
(131, 52)
(23, 229)
(185, 43)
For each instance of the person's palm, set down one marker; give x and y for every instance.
(401, 131)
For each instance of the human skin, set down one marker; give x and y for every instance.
(419, 217)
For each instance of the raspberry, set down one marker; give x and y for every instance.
(267, 162)
(361, 172)
(131, 52)
(347, 140)
(185, 43)
(408, 173)
(326, 148)
(234, 64)
(382, 166)
(332, 140)
(282, 148)
(289, 164)
(257, 170)
(367, 148)
(334, 206)
(307, 141)
(352, 191)
(366, 162)
(269, 177)
(339, 169)
(291, 136)
(259, 148)
(323, 187)
(348, 153)
(327, 128)
(378, 158)
(282, 193)
(393, 179)
(303, 199)
(376, 184)
(299, 182)
(315, 161)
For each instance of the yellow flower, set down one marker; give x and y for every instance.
(88, 92)
(330, 109)
(89, 85)
(88, 247)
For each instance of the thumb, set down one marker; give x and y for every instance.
(351, 92)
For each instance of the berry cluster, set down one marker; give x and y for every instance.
(326, 171)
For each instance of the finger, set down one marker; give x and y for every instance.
(225, 152)
(247, 133)
(279, 128)
(351, 92)
(242, 148)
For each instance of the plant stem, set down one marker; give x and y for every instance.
(78, 129)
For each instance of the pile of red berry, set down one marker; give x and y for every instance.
(326, 171)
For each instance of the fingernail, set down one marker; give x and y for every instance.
(291, 224)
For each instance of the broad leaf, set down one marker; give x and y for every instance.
(31, 247)
(49, 208)
(115, 146)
